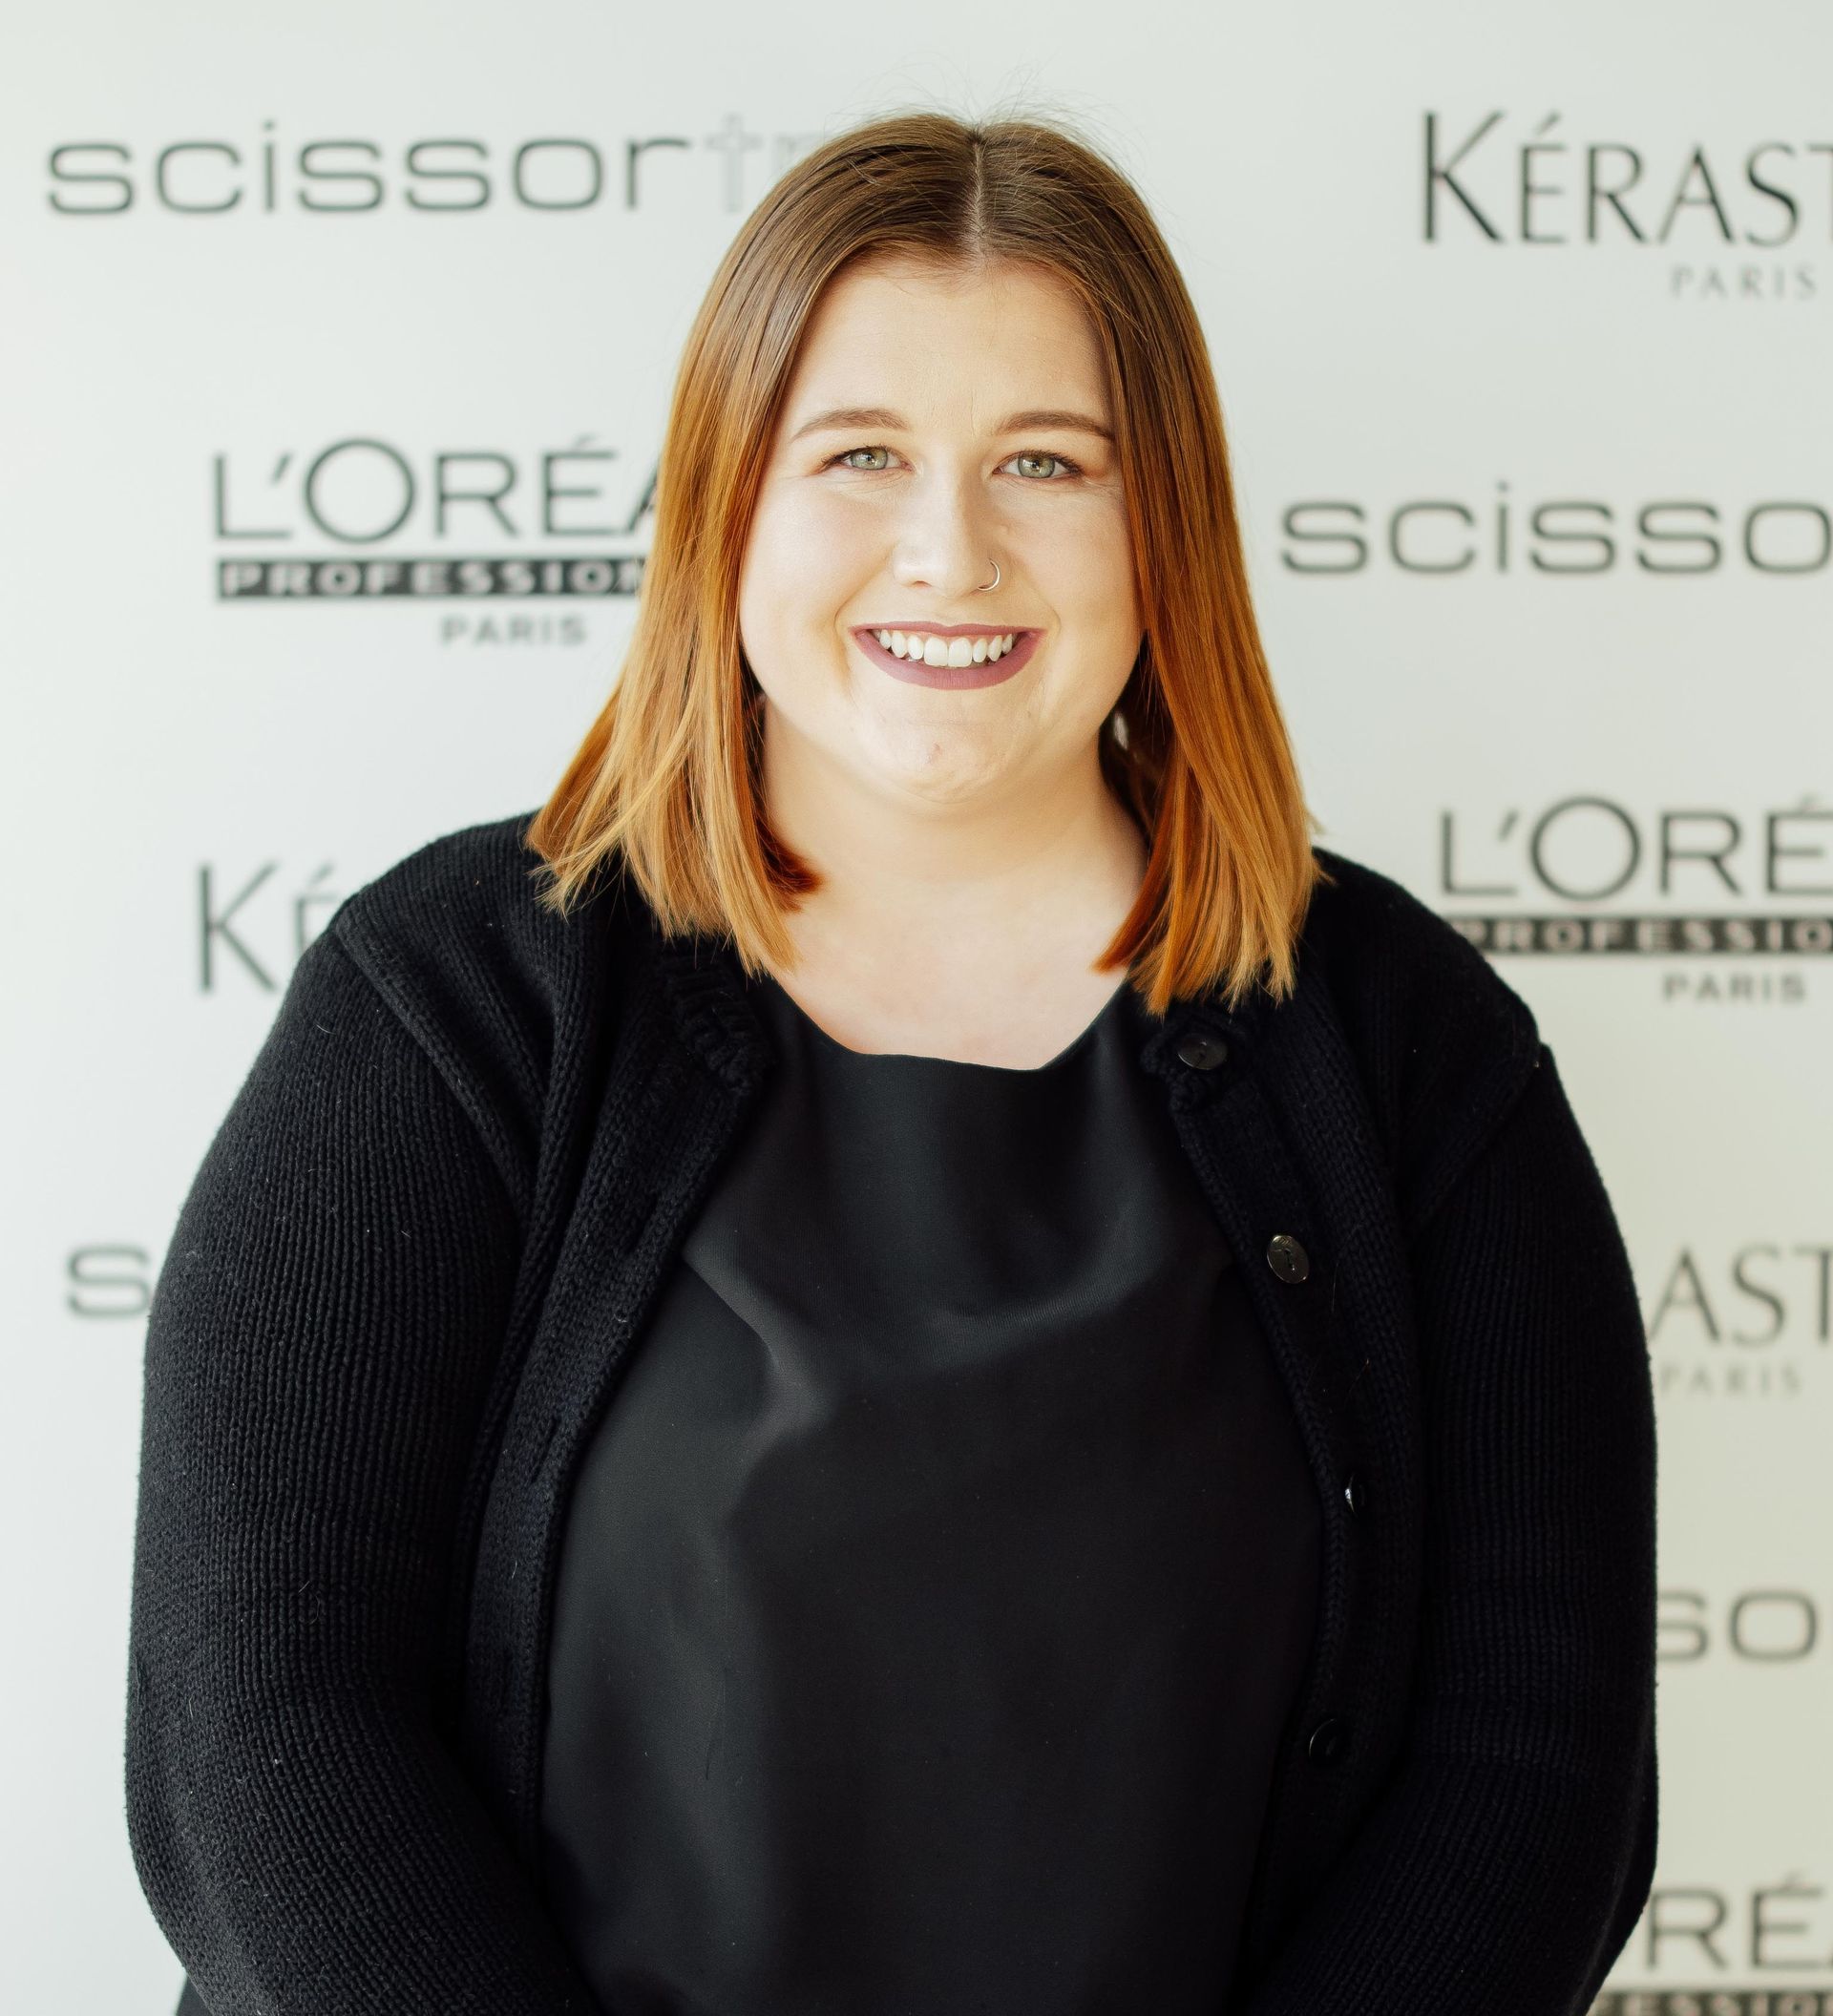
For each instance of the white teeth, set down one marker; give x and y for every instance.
(919, 646)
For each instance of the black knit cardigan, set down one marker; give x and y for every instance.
(406, 1280)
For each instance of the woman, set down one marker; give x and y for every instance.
(903, 1355)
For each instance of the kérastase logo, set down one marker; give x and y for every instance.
(1743, 1321)
(1729, 219)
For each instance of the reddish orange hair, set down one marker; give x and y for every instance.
(667, 778)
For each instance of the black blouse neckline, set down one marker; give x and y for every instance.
(915, 1061)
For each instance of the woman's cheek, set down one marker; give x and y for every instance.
(818, 541)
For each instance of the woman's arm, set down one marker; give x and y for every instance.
(321, 1340)
(1511, 1851)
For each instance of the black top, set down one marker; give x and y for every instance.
(936, 1586)
(440, 1214)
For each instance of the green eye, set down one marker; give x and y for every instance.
(1066, 469)
(1046, 455)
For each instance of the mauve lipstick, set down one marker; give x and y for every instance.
(915, 672)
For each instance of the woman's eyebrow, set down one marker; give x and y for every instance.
(839, 418)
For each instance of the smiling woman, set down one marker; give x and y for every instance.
(903, 1358)
(980, 402)
(941, 517)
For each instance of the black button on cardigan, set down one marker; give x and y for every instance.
(937, 1583)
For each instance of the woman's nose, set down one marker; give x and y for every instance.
(945, 539)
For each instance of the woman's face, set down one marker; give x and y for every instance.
(941, 419)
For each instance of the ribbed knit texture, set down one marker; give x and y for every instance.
(326, 1326)
(1505, 1867)
(420, 1238)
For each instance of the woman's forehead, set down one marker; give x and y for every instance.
(898, 349)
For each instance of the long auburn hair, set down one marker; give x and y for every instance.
(668, 778)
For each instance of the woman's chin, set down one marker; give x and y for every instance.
(940, 760)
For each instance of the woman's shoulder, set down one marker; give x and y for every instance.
(457, 922)
(458, 893)
(488, 979)
(1443, 1043)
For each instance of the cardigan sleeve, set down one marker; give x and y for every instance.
(1507, 1858)
(321, 1340)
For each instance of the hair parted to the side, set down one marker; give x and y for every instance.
(667, 785)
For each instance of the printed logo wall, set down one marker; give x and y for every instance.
(339, 359)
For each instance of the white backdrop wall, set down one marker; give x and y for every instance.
(337, 342)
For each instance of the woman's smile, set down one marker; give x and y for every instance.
(950, 655)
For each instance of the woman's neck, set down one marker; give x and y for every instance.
(964, 928)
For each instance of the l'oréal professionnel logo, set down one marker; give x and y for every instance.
(265, 177)
(1707, 1943)
(1713, 894)
(1736, 220)
(365, 519)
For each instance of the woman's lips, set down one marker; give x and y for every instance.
(918, 674)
